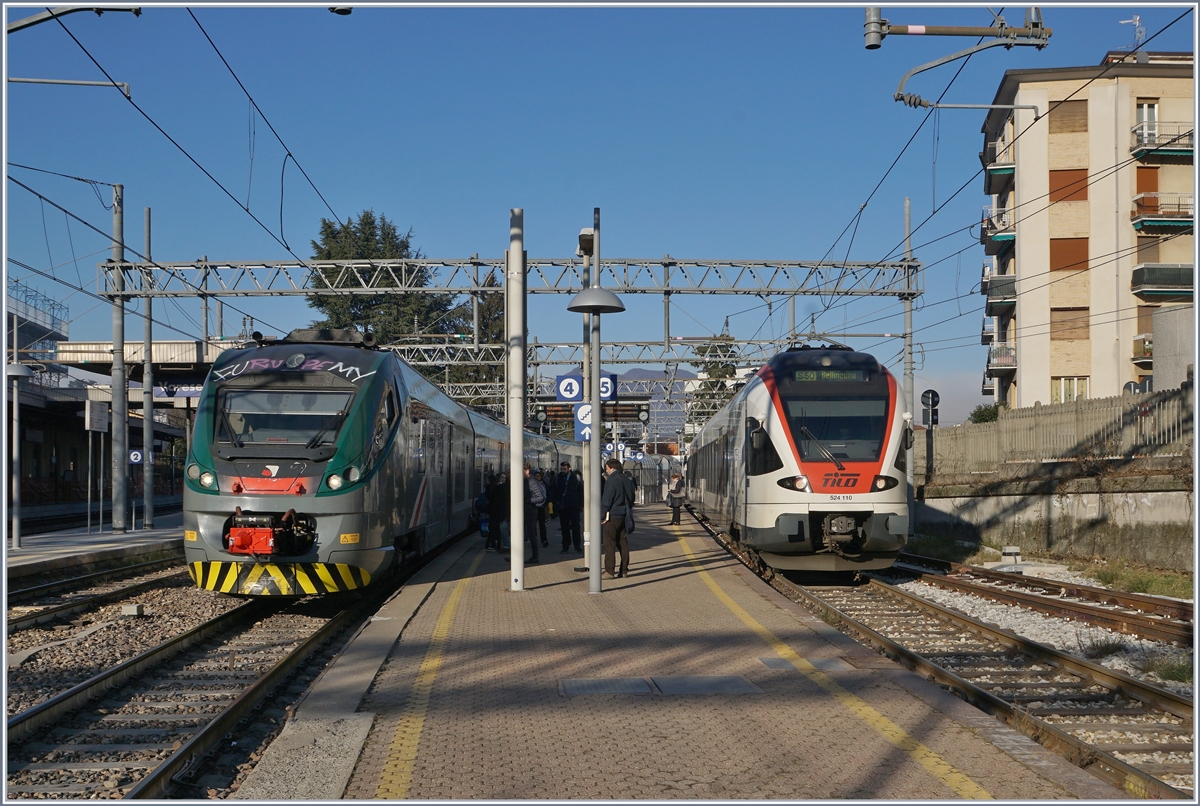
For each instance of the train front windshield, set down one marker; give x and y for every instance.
(844, 412)
(287, 417)
(852, 430)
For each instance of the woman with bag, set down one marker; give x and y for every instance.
(675, 496)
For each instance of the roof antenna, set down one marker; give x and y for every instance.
(1139, 33)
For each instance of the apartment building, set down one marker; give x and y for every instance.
(1089, 229)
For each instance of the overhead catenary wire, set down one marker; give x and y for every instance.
(125, 246)
(277, 238)
(254, 104)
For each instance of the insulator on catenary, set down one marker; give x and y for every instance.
(913, 100)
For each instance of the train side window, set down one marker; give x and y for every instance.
(761, 456)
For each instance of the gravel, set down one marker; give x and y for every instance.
(168, 612)
(1062, 634)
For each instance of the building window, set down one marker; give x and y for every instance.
(1147, 249)
(1068, 116)
(1068, 253)
(1069, 324)
(1068, 390)
(1147, 120)
(1145, 319)
(1069, 185)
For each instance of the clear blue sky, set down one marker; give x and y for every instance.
(726, 133)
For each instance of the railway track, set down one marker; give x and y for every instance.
(129, 731)
(149, 726)
(1156, 618)
(55, 606)
(1133, 734)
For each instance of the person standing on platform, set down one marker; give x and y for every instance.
(535, 496)
(616, 504)
(569, 505)
(675, 496)
(498, 513)
(541, 510)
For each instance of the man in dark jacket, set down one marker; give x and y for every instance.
(616, 505)
(569, 506)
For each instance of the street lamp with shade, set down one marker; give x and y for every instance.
(595, 301)
(16, 372)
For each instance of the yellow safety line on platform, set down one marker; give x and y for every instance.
(958, 781)
(397, 772)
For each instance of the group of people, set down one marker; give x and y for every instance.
(547, 495)
(560, 495)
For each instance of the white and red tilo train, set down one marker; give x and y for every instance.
(805, 466)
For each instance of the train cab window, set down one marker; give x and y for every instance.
(761, 456)
(848, 429)
(271, 416)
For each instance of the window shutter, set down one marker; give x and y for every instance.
(1068, 253)
(1069, 185)
(1068, 116)
(1069, 324)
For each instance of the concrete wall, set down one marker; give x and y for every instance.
(1174, 345)
(1140, 519)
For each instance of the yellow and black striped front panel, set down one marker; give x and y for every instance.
(277, 579)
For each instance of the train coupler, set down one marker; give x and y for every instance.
(269, 534)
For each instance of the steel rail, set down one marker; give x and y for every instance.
(1104, 765)
(159, 782)
(1138, 624)
(27, 620)
(99, 576)
(1132, 780)
(1133, 688)
(1154, 605)
(31, 719)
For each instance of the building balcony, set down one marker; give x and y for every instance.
(1143, 352)
(1163, 282)
(997, 230)
(999, 167)
(1001, 295)
(1002, 358)
(1162, 139)
(989, 385)
(987, 334)
(1163, 212)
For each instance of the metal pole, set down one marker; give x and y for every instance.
(119, 400)
(667, 320)
(100, 497)
(589, 526)
(204, 309)
(515, 340)
(593, 497)
(148, 394)
(89, 484)
(16, 463)
(908, 356)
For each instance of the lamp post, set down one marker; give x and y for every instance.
(594, 300)
(16, 372)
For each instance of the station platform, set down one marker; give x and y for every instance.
(49, 551)
(689, 679)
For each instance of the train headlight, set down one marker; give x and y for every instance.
(193, 472)
(883, 483)
(207, 479)
(353, 474)
(335, 482)
(798, 483)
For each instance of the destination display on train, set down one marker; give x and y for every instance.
(830, 375)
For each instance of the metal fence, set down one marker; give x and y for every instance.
(1115, 429)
